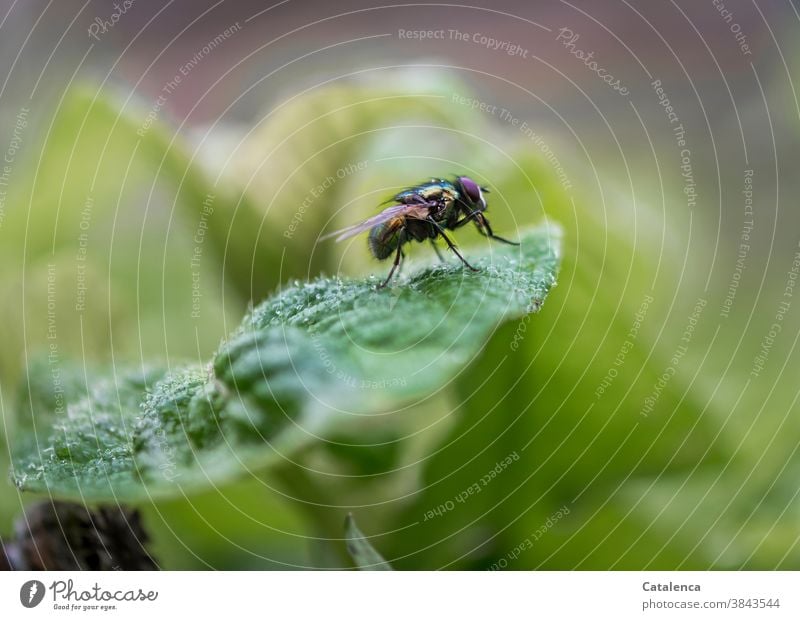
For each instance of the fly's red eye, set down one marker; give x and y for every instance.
(471, 188)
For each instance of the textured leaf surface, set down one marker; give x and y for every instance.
(314, 358)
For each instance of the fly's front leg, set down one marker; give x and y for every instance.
(467, 218)
(486, 230)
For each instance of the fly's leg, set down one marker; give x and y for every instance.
(489, 233)
(451, 245)
(402, 262)
(397, 257)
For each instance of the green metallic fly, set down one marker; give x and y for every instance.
(423, 212)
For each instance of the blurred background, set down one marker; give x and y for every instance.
(162, 166)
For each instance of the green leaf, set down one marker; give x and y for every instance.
(99, 187)
(407, 339)
(317, 357)
(363, 553)
(100, 238)
(88, 442)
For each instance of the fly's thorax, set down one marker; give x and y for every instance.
(437, 191)
(440, 191)
(409, 196)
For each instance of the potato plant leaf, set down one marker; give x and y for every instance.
(316, 357)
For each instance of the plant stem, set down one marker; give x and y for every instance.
(314, 501)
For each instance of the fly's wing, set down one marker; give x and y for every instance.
(419, 212)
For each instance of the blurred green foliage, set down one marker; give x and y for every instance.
(516, 463)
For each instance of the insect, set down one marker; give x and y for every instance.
(424, 212)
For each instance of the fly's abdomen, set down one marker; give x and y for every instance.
(383, 238)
